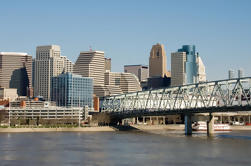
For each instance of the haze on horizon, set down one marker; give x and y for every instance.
(126, 30)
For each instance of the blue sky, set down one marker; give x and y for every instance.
(126, 30)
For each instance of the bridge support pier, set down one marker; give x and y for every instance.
(188, 124)
(210, 125)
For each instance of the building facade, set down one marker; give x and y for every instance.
(33, 72)
(191, 63)
(16, 72)
(108, 64)
(72, 90)
(8, 94)
(187, 66)
(91, 64)
(141, 71)
(157, 61)
(240, 73)
(178, 68)
(48, 64)
(127, 82)
(201, 71)
(50, 112)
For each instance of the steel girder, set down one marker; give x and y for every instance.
(223, 93)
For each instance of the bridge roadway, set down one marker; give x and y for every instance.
(230, 95)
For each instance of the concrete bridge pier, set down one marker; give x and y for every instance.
(188, 124)
(210, 125)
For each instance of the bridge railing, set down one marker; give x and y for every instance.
(224, 93)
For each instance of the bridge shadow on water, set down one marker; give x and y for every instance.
(124, 128)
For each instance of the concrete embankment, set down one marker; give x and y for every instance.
(160, 127)
(181, 127)
(241, 128)
(81, 129)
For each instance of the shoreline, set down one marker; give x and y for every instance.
(174, 127)
(64, 129)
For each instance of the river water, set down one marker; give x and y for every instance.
(125, 148)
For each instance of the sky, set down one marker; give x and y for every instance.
(126, 29)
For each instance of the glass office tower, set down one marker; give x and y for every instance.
(191, 63)
(72, 90)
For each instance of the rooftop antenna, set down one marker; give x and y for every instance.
(90, 48)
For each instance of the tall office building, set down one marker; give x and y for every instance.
(72, 90)
(141, 71)
(16, 72)
(191, 63)
(240, 73)
(230, 74)
(178, 68)
(187, 67)
(91, 64)
(157, 61)
(48, 64)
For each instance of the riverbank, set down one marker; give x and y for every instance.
(77, 129)
(176, 127)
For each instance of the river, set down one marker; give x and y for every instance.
(125, 148)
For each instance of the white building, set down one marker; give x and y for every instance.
(8, 94)
(141, 71)
(201, 71)
(127, 82)
(48, 63)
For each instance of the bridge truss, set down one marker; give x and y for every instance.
(232, 93)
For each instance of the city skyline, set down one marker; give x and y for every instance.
(125, 31)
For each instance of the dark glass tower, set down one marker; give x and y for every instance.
(191, 63)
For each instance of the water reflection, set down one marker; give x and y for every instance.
(125, 148)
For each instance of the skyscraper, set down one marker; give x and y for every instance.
(72, 90)
(48, 64)
(91, 64)
(191, 63)
(16, 72)
(178, 68)
(187, 67)
(157, 61)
